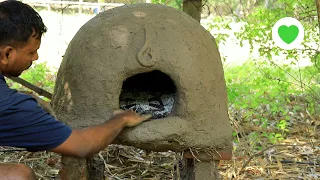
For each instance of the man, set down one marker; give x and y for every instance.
(23, 123)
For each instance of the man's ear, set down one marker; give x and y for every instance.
(6, 54)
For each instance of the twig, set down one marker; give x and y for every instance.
(37, 174)
(260, 152)
(12, 150)
(297, 162)
(300, 76)
(177, 172)
(194, 155)
(35, 159)
(104, 162)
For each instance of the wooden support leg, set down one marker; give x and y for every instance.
(82, 168)
(73, 168)
(95, 168)
(206, 170)
(186, 170)
(191, 169)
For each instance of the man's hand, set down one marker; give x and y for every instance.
(131, 118)
(91, 140)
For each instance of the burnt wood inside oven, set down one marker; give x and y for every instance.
(149, 93)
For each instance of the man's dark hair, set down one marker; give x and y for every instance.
(18, 21)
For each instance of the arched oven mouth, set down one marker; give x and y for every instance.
(149, 93)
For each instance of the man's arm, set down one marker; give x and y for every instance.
(91, 140)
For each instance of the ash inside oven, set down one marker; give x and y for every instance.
(149, 93)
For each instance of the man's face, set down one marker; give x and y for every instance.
(15, 60)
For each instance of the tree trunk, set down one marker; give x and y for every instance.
(193, 8)
(268, 4)
(250, 4)
(318, 10)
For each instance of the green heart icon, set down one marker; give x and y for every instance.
(288, 34)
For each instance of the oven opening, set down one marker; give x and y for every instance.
(149, 93)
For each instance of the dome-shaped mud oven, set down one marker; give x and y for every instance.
(152, 59)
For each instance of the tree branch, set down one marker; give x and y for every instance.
(34, 88)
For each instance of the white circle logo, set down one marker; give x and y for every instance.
(288, 33)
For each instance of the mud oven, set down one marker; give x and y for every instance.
(152, 59)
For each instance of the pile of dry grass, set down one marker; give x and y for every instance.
(292, 159)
